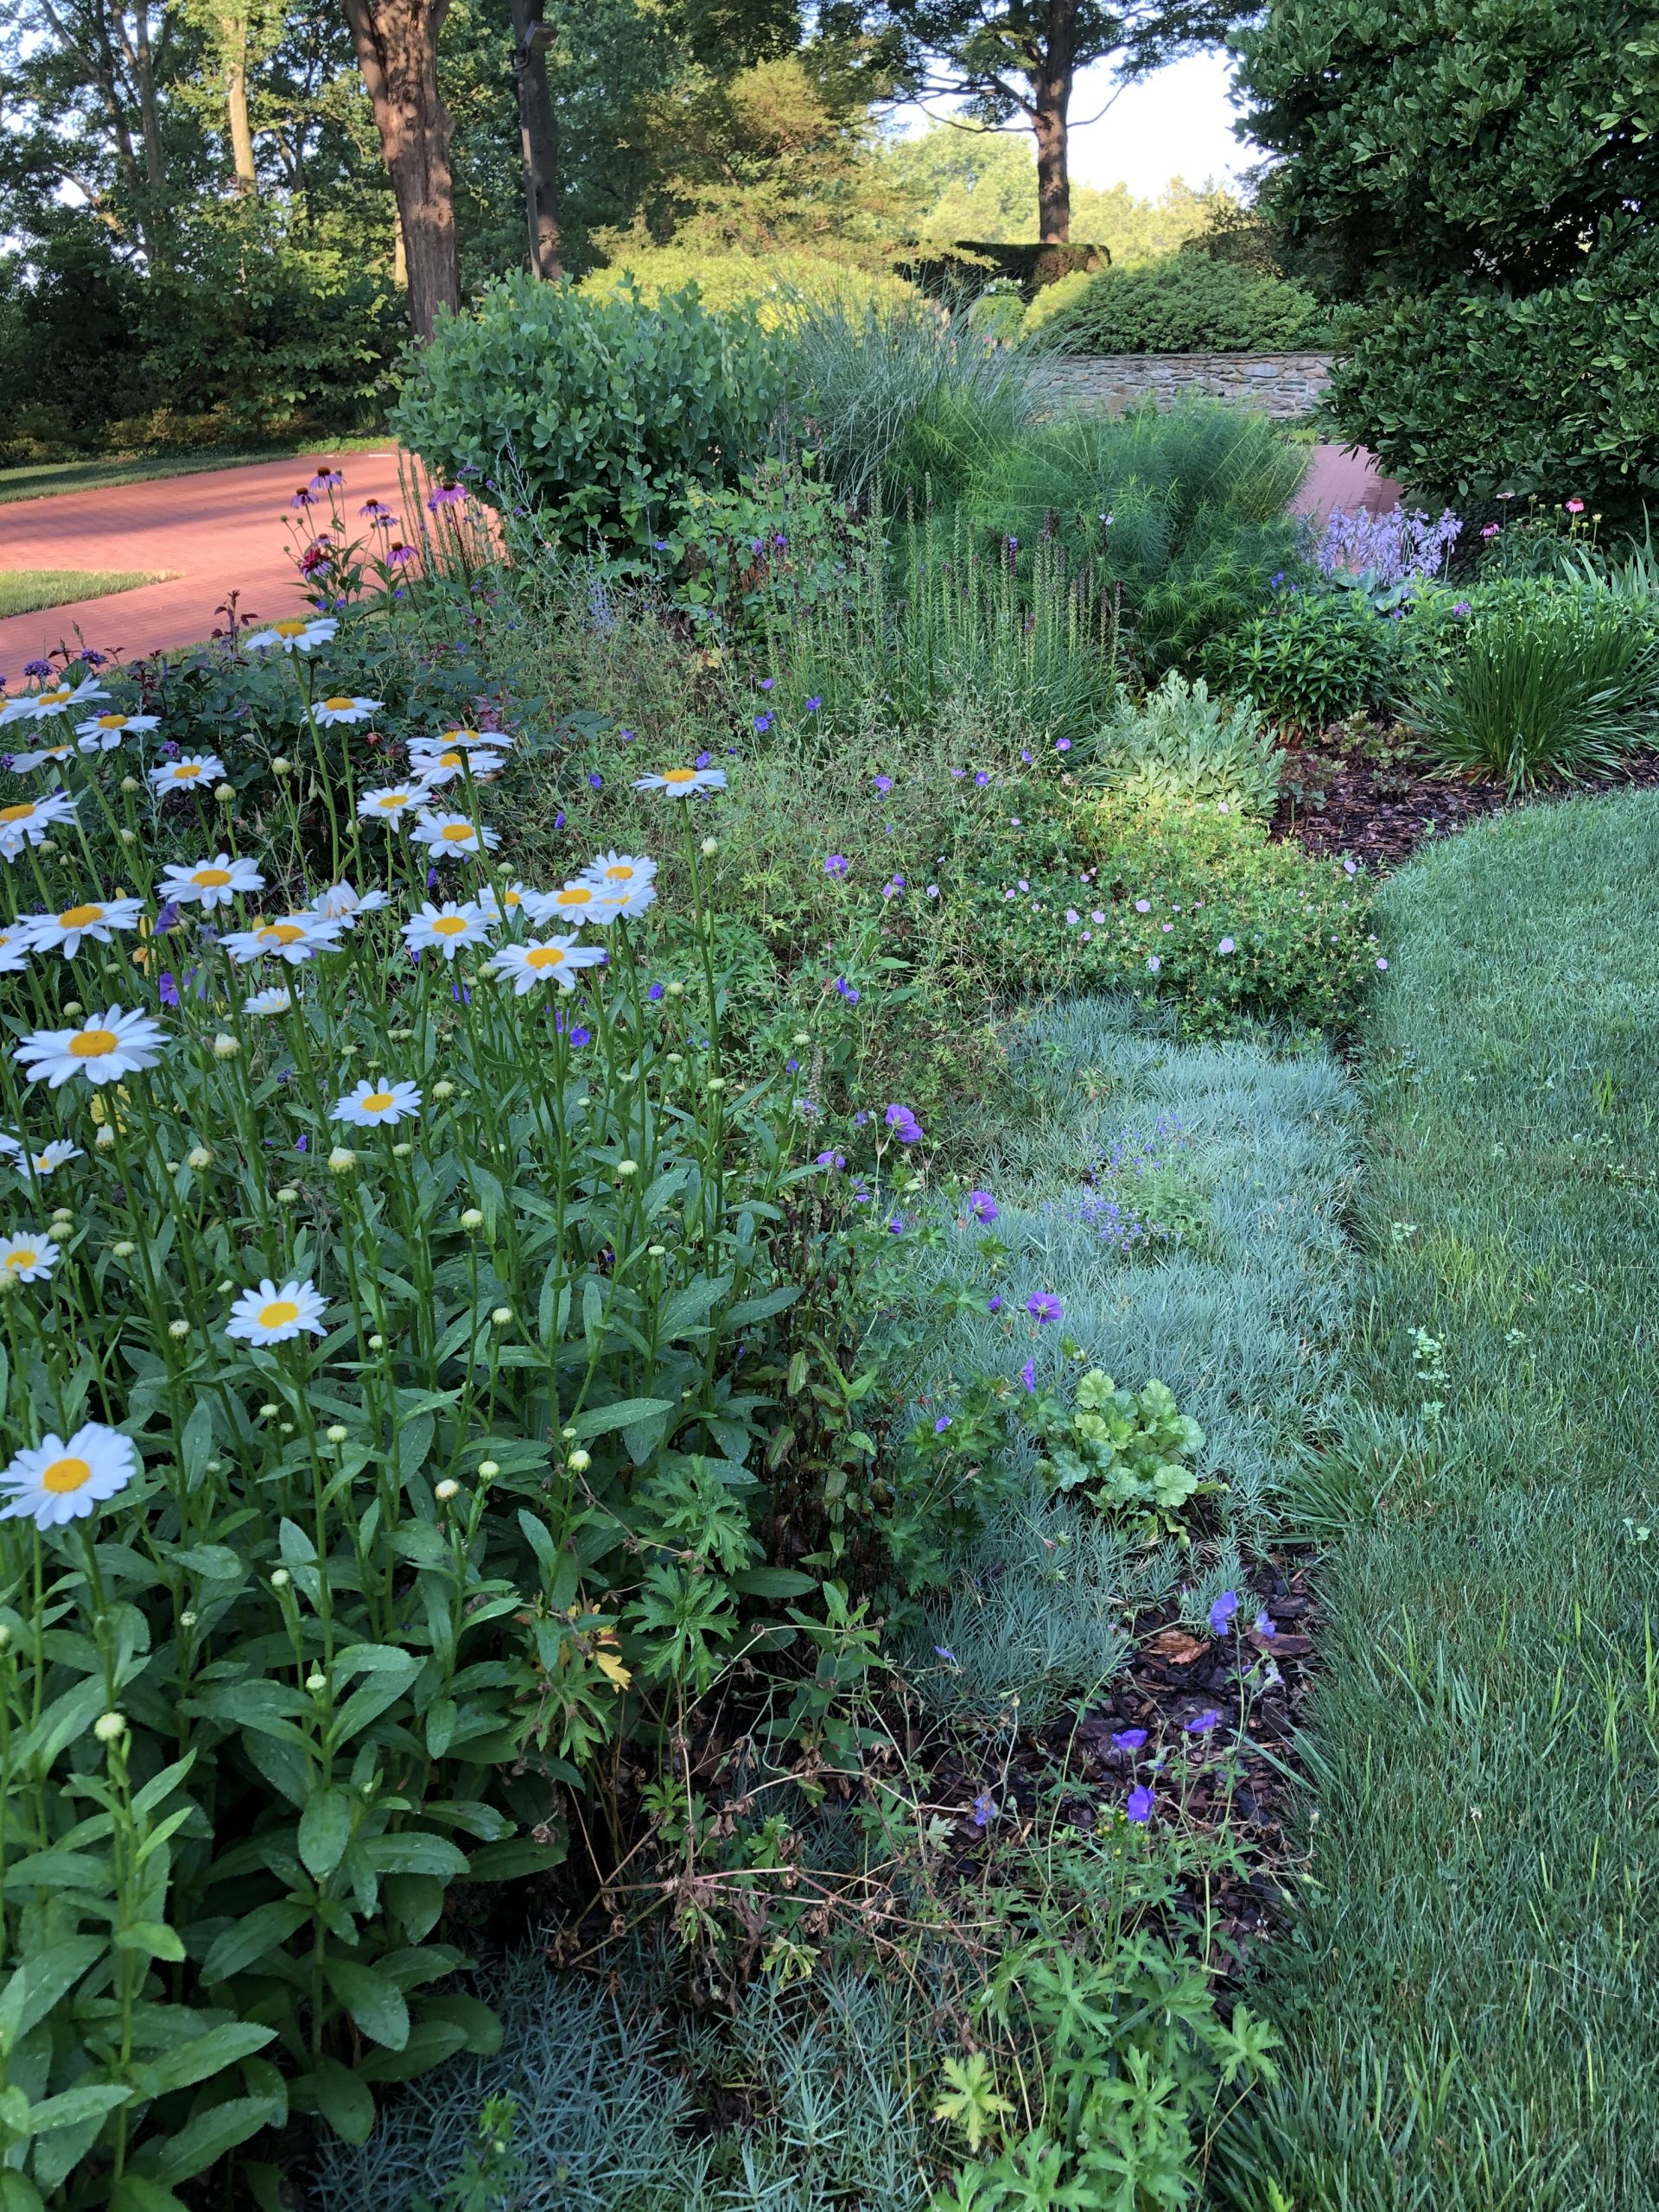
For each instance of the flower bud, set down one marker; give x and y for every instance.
(337, 1433)
(316, 1681)
(657, 1251)
(225, 1047)
(186, 1620)
(501, 1315)
(105, 1138)
(73, 1009)
(402, 1150)
(281, 1578)
(716, 1083)
(126, 1248)
(269, 1413)
(579, 1462)
(802, 1037)
(472, 1218)
(110, 1727)
(129, 836)
(675, 990)
(199, 1157)
(224, 793)
(710, 847)
(442, 1091)
(178, 1328)
(488, 1470)
(280, 766)
(376, 1342)
(445, 1490)
(341, 1161)
(627, 1167)
(129, 786)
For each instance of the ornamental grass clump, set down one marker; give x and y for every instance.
(378, 1226)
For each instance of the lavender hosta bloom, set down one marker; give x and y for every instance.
(1043, 1307)
(1139, 1808)
(1222, 1611)
(1390, 548)
(1129, 1740)
(982, 1206)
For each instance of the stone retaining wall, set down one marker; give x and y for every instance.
(1282, 385)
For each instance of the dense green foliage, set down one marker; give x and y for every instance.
(1185, 303)
(1178, 743)
(1475, 175)
(1470, 1935)
(1313, 658)
(600, 411)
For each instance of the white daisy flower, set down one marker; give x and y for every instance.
(53, 1482)
(330, 711)
(452, 833)
(186, 774)
(44, 706)
(493, 741)
(275, 1000)
(30, 819)
(298, 634)
(512, 899)
(293, 937)
(56, 1155)
(436, 766)
(27, 1259)
(343, 903)
(22, 763)
(375, 1101)
(269, 1316)
(554, 960)
(94, 918)
(586, 902)
(445, 929)
(680, 782)
(622, 905)
(390, 803)
(105, 1048)
(15, 948)
(213, 883)
(619, 871)
(104, 732)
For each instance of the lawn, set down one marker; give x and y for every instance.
(1467, 1988)
(26, 591)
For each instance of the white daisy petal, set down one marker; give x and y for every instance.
(211, 883)
(445, 929)
(30, 821)
(27, 1259)
(295, 635)
(106, 1047)
(681, 783)
(619, 871)
(345, 710)
(191, 771)
(374, 1101)
(269, 1316)
(104, 732)
(48, 1161)
(452, 833)
(92, 918)
(552, 960)
(390, 803)
(53, 1482)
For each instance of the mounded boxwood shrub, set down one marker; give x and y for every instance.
(599, 410)
(1187, 303)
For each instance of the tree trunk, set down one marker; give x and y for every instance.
(396, 43)
(1051, 103)
(233, 26)
(538, 137)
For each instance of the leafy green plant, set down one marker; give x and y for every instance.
(598, 412)
(1178, 743)
(1553, 693)
(1127, 1450)
(1314, 659)
(1185, 303)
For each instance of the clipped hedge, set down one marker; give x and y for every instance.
(735, 280)
(1187, 303)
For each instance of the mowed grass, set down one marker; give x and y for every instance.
(26, 591)
(1468, 1990)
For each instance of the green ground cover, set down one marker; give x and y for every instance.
(1467, 1990)
(26, 591)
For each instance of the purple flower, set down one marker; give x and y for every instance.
(764, 722)
(1025, 754)
(303, 498)
(1028, 1374)
(168, 988)
(654, 993)
(447, 495)
(1490, 530)
(980, 779)
(703, 760)
(1382, 965)
(1043, 1306)
(844, 990)
(1223, 1611)
(39, 669)
(767, 683)
(1202, 1723)
(1062, 745)
(984, 1809)
(982, 1205)
(301, 1144)
(1226, 945)
(1265, 1624)
(595, 781)
(943, 1651)
(431, 878)
(791, 1066)
(1141, 906)
(1129, 1740)
(168, 918)
(942, 1424)
(994, 1303)
(579, 1036)
(836, 865)
(896, 1226)
(831, 1159)
(558, 823)
(1462, 606)
(882, 783)
(814, 703)
(1139, 1808)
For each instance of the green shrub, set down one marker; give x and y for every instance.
(1552, 392)
(773, 285)
(1052, 299)
(1178, 743)
(1185, 303)
(1550, 692)
(1127, 1450)
(599, 412)
(1313, 658)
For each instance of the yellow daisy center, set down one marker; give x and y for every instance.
(392, 800)
(210, 879)
(339, 706)
(93, 1043)
(618, 875)
(450, 760)
(679, 775)
(52, 698)
(22, 1257)
(278, 1314)
(290, 628)
(376, 1101)
(462, 733)
(186, 771)
(283, 932)
(79, 917)
(455, 833)
(574, 894)
(111, 721)
(450, 925)
(543, 955)
(71, 1472)
(18, 813)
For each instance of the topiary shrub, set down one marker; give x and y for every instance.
(723, 280)
(1185, 303)
(599, 410)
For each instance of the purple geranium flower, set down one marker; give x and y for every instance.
(982, 1205)
(1043, 1306)
(1028, 1374)
(984, 1809)
(844, 990)
(1202, 1723)
(1129, 1740)
(837, 864)
(1223, 1611)
(1139, 1808)
(942, 1424)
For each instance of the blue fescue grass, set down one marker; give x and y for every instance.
(1467, 1991)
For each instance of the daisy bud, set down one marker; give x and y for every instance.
(62, 1217)
(710, 847)
(226, 1287)
(129, 836)
(337, 1433)
(129, 786)
(280, 1579)
(316, 1681)
(225, 1047)
(72, 1010)
(568, 1434)
(105, 1138)
(285, 1428)
(287, 1196)
(657, 1251)
(186, 1620)
(488, 1470)
(224, 793)
(126, 1248)
(48, 844)
(110, 1727)
(279, 766)
(376, 1342)
(675, 990)
(445, 1490)
(171, 1166)
(178, 1328)
(716, 1083)
(627, 1167)
(674, 1059)
(402, 1150)
(579, 1462)
(802, 1037)
(443, 1091)
(9, 1282)
(270, 1413)
(341, 1161)
(215, 1467)
(199, 1157)
(472, 1218)
(501, 1315)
